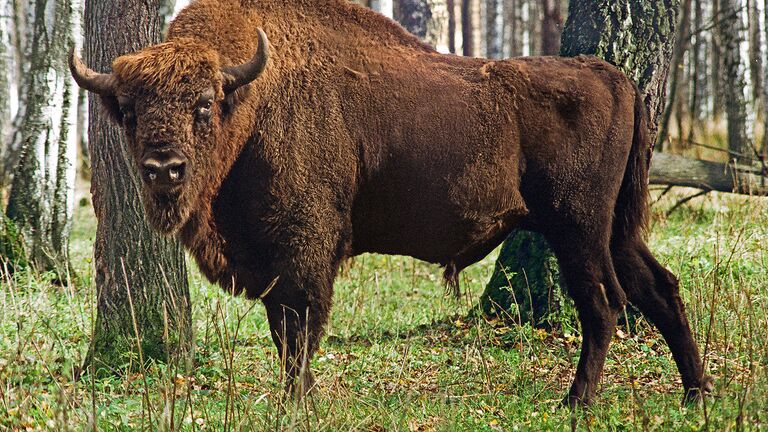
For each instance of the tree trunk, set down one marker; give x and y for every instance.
(451, 26)
(676, 69)
(39, 203)
(140, 277)
(755, 55)
(467, 44)
(5, 83)
(21, 34)
(534, 27)
(81, 134)
(699, 94)
(384, 7)
(731, 35)
(421, 18)
(551, 27)
(515, 18)
(414, 15)
(764, 150)
(717, 80)
(638, 37)
(673, 170)
(494, 28)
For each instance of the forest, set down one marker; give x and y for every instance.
(210, 270)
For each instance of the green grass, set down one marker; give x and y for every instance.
(402, 355)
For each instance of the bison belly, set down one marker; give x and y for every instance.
(448, 213)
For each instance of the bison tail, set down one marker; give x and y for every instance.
(631, 212)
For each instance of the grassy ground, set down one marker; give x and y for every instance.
(401, 355)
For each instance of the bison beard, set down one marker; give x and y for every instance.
(355, 137)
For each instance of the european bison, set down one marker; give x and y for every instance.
(348, 135)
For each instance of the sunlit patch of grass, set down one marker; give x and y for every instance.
(402, 355)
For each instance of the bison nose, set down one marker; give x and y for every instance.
(164, 170)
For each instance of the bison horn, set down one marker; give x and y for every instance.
(99, 83)
(238, 76)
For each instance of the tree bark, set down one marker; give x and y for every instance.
(673, 170)
(551, 27)
(699, 76)
(638, 38)
(384, 7)
(764, 150)
(467, 41)
(717, 80)
(681, 47)
(5, 82)
(21, 34)
(515, 18)
(451, 26)
(755, 55)
(39, 203)
(140, 277)
(494, 37)
(730, 29)
(420, 17)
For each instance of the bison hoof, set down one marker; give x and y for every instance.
(298, 388)
(573, 402)
(695, 395)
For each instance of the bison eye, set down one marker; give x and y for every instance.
(204, 109)
(127, 112)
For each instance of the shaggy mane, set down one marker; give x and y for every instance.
(167, 65)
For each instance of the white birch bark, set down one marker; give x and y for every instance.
(41, 199)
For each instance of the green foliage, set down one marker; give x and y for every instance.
(401, 355)
(12, 255)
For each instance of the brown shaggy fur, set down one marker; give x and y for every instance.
(360, 138)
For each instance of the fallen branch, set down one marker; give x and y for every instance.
(673, 170)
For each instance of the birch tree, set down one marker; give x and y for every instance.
(5, 77)
(41, 200)
(384, 7)
(731, 30)
(494, 28)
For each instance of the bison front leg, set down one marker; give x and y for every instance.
(297, 315)
(594, 287)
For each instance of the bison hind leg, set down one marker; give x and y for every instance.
(589, 275)
(655, 291)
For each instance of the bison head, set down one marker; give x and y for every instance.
(171, 100)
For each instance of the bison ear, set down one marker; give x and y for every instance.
(233, 99)
(111, 107)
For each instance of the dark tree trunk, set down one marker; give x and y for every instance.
(731, 34)
(676, 70)
(764, 150)
(515, 18)
(451, 26)
(699, 73)
(638, 37)
(755, 55)
(494, 35)
(551, 27)
(414, 15)
(468, 46)
(717, 80)
(140, 277)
